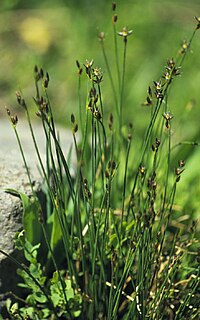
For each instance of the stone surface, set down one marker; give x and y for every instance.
(13, 175)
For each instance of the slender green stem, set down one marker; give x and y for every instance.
(111, 79)
(122, 87)
(116, 55)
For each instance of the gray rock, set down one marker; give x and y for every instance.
(13, 175)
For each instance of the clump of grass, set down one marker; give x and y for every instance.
(107, 244)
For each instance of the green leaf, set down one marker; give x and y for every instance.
(69, 291)
(31, 207)
(55, 277)
(113, 240)
(40, 297)
(56, 234)
(31, 251)
(45, 313)
(28, 311)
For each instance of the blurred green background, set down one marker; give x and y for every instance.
(54, 33)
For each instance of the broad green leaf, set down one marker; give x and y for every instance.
(69, 291)
(56, 233)
(31, 207)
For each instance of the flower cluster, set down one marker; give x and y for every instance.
(87, 192)
(80, 69)
(93, 98)
(94, 74)
(74, 124)
(111, 169)
(198, 22)
(171, 70)
(179, 169)
(158, 91)
(142, 170)
(168, 117)
(13, 119)
(125, 33)
(156, 145)
(184, 47)
(39, 74)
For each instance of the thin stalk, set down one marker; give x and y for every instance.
(186, 301)
(116, 54)
(122, 87)
(188, 143)
(79, 102)
(125, 184)
(167, 174)
(24, 159)
(127, 265)
(101, 102)
(111, 79)
(59, 152)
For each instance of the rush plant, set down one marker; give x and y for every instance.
(107, 244)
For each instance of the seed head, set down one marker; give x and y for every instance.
(76, 128)
(41, 73)
(88, 67)
(46, 81)
(14, 120)
(80, 70)
(36, 73)
(98, 75)
(142, 170)
(114, 6)
(181, 163)
(198, 22)
(36, 69)
(148, 102)
(125, 33)
(110, 122)
(8, 112)
(78, 64)
(156, 145)
(168, 117)
(114, 18)
(101, 36)
(97, 114)
(72, 118)
(184, 46)
(179, 169)
(158, 85)
(20, 99)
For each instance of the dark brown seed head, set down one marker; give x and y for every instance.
(72, 118)
(181, 163)
(114, 6)
(76, 128)
(14, 120)
(8, 112)
(36, 69)
(41, 73)
(115, 18)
